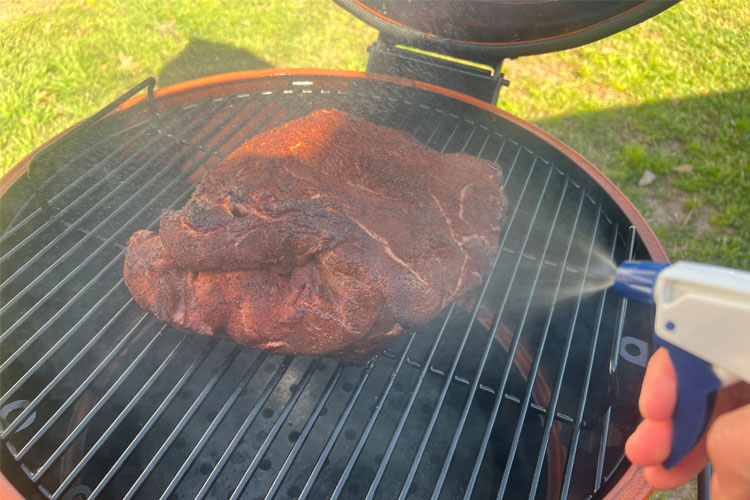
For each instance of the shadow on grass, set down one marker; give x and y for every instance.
(666, 131)
(699, 203)
(204, 58)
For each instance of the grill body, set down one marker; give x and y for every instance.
(525, 388)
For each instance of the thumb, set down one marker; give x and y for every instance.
(728, 446)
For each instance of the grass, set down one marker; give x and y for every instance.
(686, 492)
(61, 61)
(671, 92)
(671, 95)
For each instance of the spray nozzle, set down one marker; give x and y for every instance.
(635, 280)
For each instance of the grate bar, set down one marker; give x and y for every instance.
(81, 388)
(305, 431)
(93, 209)
(515, 159)
(613, 359)
(69, 303)
(534, 371)
(448, 140)
(336, 431)
(541, 410)
(107, 219)
(135, 400)
(490, 339)
(62, 372)
(407, 410)
(573, 448)
(103, 162)
(266, 442)
(434, 131)
(419, 127)
(80, 266)
(563, 362)
(484, 144)
(188, 415)
(280, 371)
(150, 422)
(271, 115)
(612, 472)
(45, 203)
(73, 272)
(85, 288)
(52, 350)
(87, 123)
(211, 133)
(421, 121)
(69, 439)
(512, 348)
(371, 421)
(451, 373)
(562, 417)
(224, 123)
(469, 138)
(62, 310)
(146, 126)
(397, 432)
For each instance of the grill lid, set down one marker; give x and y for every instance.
(502, 27)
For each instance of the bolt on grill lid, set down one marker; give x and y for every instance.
(505, 28)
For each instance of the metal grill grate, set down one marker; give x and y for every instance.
(507, 394)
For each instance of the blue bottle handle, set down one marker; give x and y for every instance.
(696, 392)
(696, 381)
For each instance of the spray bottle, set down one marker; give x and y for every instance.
(703, 319)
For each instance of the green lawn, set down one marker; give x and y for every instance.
(671, 95)
(61, 61)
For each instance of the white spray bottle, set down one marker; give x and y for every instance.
(703, 319)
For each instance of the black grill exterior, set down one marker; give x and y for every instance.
(526, 388)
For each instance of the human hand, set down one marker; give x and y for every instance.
(726, 442)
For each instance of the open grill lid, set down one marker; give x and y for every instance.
(503, 28)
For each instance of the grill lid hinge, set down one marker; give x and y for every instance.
(478, 78)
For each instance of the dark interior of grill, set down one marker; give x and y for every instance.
(512, 392)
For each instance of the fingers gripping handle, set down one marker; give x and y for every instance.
(696, 391)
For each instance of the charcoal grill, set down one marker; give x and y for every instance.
(512, 392)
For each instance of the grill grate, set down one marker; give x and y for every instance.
(100, 400)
